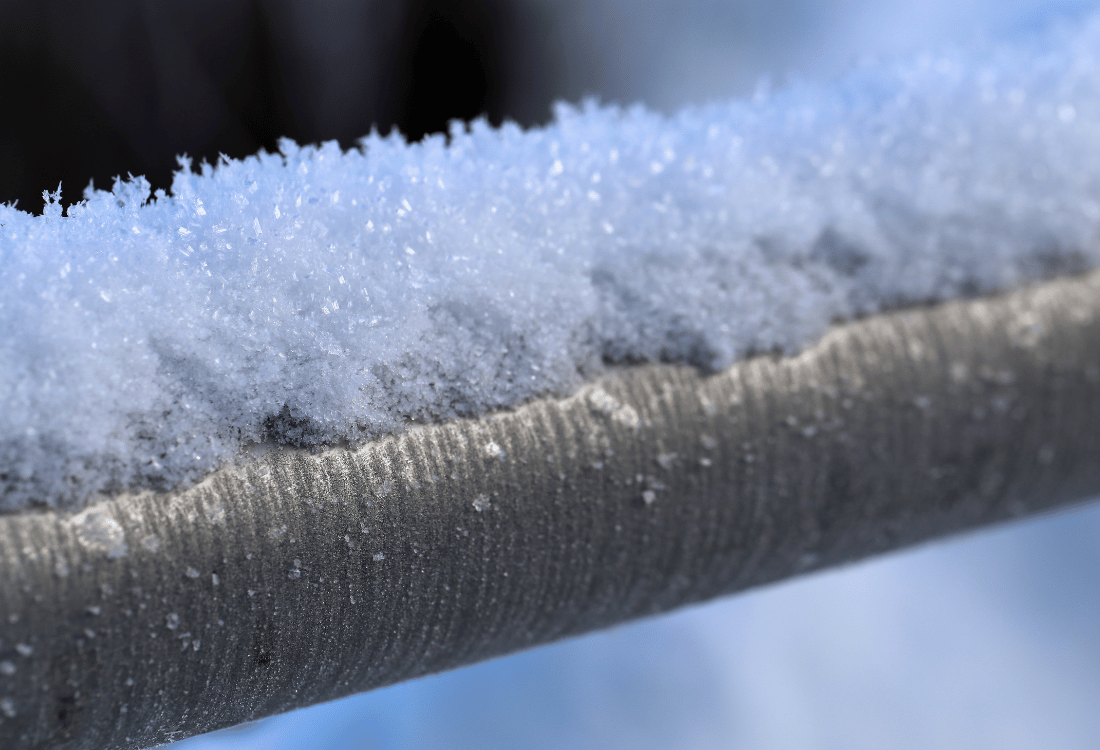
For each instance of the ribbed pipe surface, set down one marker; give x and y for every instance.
(294, 578)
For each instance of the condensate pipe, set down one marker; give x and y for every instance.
(294, 578)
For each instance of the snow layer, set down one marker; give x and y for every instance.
(316, 297)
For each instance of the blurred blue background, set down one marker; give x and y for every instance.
(987, 641)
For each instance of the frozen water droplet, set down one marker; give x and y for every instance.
(494, 451)
(666, 460)
(172, 621)
(24, 649)
(7, 667)
(649, 497)
(705, 462)
(378, 557)
(99, 532)
(481, 502)
(192, 573)
(214, 579)
(604, 403)
(94, 610)
(7, 706)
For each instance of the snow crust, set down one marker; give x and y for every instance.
(316, 296)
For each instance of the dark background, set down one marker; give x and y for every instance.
(92, 89)
(103, 88)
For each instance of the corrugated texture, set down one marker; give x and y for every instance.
(297, 578)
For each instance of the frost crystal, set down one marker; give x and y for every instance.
(316, 296)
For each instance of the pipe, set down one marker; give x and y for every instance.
(293, 578)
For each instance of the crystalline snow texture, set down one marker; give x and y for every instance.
(315, 296)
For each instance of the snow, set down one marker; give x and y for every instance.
(319, 297)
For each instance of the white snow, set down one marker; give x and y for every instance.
(316, 297)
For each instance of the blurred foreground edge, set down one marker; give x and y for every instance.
(294, 578)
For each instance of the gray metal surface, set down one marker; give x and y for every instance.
(294, 578)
